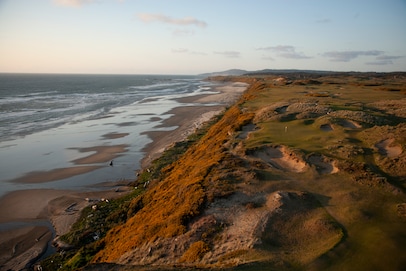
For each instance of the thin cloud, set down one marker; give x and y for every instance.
(198, 53)
(323, 21)
(187, 51)
(383, 60)
(72, 3)
(385, 57)
(183, 32)
(180, 50)
(286, 51)
(279, 48)
(268, 58)
(346, 56)
(149, 18)
(229, 54)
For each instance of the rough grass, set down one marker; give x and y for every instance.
(343, 221)
(179, 196)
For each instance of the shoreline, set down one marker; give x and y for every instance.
(188, 118)
(53, 205)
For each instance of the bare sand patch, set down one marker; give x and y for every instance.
(54, 175)
(102, 154)
(281, 157)
(114, 135)
(387, 148)
(323, 164)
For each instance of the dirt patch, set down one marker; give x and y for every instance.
(387, 148)
(281, 158)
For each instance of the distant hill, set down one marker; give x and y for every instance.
(281, 71)
(224, 73)
(298, 73)
(261, 72)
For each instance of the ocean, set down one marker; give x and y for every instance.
(46, 121)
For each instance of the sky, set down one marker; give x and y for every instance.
(199, 36)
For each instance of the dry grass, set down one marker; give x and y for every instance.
(179, 196)
(342, 210)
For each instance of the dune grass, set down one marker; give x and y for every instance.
(348, 221)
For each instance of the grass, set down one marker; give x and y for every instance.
(115, 212)
(179, 196)
(295, 134)
(351, 224)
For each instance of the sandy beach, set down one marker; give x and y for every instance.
(30, 219)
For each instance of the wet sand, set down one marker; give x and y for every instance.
(25, 213)
(189, 118)
(54, 175)
(32, 218)
(101, 154)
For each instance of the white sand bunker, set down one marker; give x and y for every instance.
(282, 158)
(323, 164)
(387, 148)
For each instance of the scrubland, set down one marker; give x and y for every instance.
(299, 174)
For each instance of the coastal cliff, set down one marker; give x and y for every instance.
(300, 173)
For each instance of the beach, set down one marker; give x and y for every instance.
(31, 218)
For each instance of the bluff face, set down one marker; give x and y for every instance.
(299, 173)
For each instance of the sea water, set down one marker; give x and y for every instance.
(46, 118)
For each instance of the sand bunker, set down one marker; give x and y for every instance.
(350, 124)
(326, 127)
(323, 164)
(282, 158)
(387, 148)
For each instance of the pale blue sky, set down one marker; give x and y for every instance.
(197, 36)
